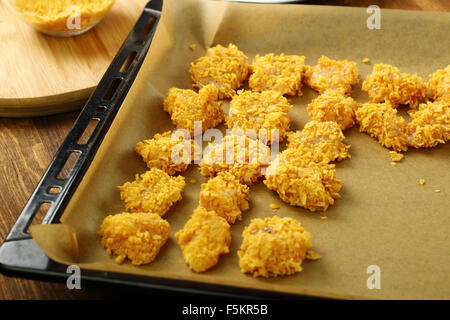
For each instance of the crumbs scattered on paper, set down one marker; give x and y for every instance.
(192, 47)
(366, 60)
(193, 181)
(421, 182)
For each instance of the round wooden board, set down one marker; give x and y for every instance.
(42, 75)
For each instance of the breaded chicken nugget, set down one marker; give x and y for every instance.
(273, 246)
(225, 196)
(154, 191)
(136, 236)
(281, 73)
(439, 83)
(300, 182)
(320, 142)
(381, 121)
(333, 106)
(387, 83)
(430, 125)
(332, 75)
(167, 154)
(225, 68)
(240, 155)
(186, 107)
(261, 113)
(203, 239)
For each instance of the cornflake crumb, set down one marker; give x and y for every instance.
(324, 217)
(274, 206)
(366, 60)
(421, 182)
(192, 47)
(396, 157)
(193, 181)
(437, 190)
(394, 164)
(312, 255)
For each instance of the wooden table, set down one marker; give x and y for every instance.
(27, 147)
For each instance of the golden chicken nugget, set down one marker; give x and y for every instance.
(226, 196)
(137, 236)
(153, 191)
(187, 107)
(439, 83)
(263, 114)
(333, 106)
(240, 155)
(381, 121)
(320, 142)
(387, 83)
(203, 239)
(430, 125)
(301, 182)
(282, 73)
(225, 68)
(332, 75)
(273, 247)
(167, 153)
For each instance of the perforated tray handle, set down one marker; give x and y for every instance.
(102, 106)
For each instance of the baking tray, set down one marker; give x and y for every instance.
(367, 226)
(19, 254)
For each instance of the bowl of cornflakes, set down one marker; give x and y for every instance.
(62, 18)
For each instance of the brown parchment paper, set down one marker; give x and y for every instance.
(384, 217)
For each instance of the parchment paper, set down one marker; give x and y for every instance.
(384, 217)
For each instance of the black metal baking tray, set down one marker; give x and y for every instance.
(19, 254)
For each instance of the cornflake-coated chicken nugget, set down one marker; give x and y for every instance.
(225, 68)
(226, 196)
(163, 152)
(185, 107)
(273, 247)
(136, 236)
(154, 191)
(387, 83)
(320, 142)
(203, 239)
(439, 83)
(300, 182)
(260, 113)
(281, 73)
(243, 157)
(333, 106)
(381, 121)
(332, 75)
(430, 125)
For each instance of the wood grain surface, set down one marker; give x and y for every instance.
(28, 145)
(44, 75)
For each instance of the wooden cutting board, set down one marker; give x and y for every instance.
(43, 75)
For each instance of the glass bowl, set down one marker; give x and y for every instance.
(61, 18)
